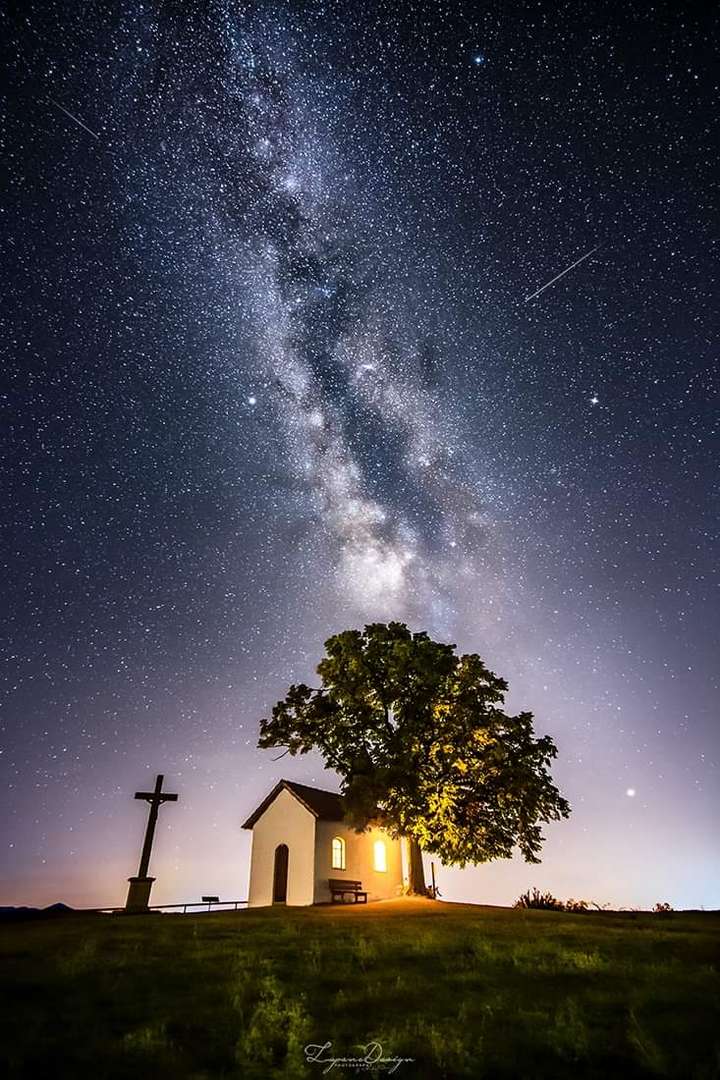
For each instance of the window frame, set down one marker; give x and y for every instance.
(342, 853)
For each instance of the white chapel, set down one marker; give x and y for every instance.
(303, 852)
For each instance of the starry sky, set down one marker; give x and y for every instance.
(277, 364)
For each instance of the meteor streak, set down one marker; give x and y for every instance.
(75, 118)
(562, 274)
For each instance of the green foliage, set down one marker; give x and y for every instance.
(533, 898)
(277, 1032)
(569, 1031)
(423, 745)
(647, 1050)
(147, 1039)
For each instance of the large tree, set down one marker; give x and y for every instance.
(421, 741)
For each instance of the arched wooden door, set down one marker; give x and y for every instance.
(280, 874)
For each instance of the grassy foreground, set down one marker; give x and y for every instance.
(462, 990)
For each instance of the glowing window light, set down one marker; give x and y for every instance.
(379, 856)
(338, 853)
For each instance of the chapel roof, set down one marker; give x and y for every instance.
(326, 805)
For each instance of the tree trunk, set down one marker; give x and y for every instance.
(416, 882)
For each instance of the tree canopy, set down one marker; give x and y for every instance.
(423, 745)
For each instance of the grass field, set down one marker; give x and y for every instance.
(462, 990)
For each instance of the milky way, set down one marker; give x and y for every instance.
(282, 361)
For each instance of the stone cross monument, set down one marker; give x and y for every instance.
(139, 892)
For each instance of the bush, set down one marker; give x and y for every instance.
(533, 898)
(539, 901)
(662, 908)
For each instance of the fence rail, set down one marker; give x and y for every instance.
(203, 904)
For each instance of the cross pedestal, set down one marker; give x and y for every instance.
(138, 896)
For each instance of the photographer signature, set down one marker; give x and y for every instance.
(371, 1058)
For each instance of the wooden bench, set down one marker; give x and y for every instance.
(343, 887)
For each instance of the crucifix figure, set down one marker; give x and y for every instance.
(140, 886)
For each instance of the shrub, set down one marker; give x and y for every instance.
(662, 908)
(568, 1034)
(533, 898)
(539, 901)
(276, 1033)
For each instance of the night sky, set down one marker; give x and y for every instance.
(274, 368)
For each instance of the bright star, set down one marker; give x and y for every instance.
(478, 59)
(594, 400)
(630, 793)
(252, 400)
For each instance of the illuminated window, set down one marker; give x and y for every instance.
(338, 853)
(379, 856)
